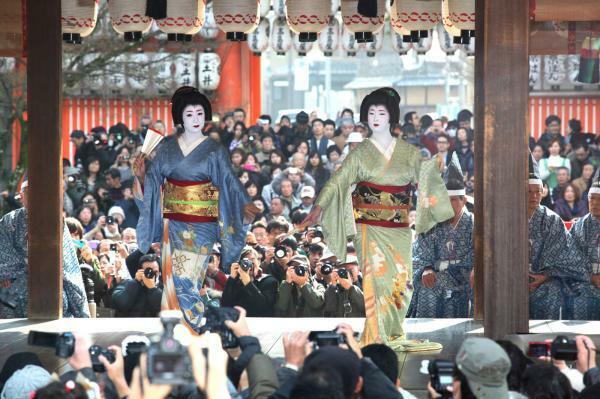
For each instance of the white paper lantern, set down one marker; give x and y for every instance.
(128, 17)
(308, 17)
(349, 42)
(279, 8)
(209, 30)
(258, 41)
(399, 45)
(78, 19)
(469, 49)
(573, 62)
(535, 72)
(423, 45)
(281, 36)
(329, 38)
(237, 18)
(375, 46)
(555, 69)
(418, 16)
(446, 42)
(208, 75)
(163, 69)
(397, 25)
(458, 17)
(185, 69)
(302, 48)
(363, 27)
(265, 7)
(184, 19)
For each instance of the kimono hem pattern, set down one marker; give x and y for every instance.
(385, 254)
(187, 244)
(586, 234)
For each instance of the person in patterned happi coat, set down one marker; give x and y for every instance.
(14, 269)
(558, 274)
(586, 234)
(443, 258)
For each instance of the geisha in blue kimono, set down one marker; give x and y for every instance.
(191, 199)
(558, 274)
(586, 234)
(14, 269)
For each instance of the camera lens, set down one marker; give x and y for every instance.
(280, 251)
(326, 268)
(149, 273)
(246, 264)
(300, 270)
(343, 273)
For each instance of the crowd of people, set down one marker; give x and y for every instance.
(310, 368)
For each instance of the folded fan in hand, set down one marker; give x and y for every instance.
(153, 137)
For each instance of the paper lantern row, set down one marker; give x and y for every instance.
(180, 19)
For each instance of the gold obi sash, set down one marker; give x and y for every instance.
(190, 201)
(385, 206)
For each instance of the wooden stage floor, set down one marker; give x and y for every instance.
(449, 332)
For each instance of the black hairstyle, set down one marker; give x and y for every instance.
(74, 225)
(266, 117)
(347, 110)
(426, 121)
(464, 115)
(267, 136)
(552, 118)
(385, 96)
(274, 224)
(518, 364)
(329, 122)
(408, 116)
(285, 117)
(113, 173)
(318, 384)
(318, 120)
(333, 148)
(258, 225)
(298, 216)
(58, 389)
(239, 110)
(465, 389)
(575, 125)
(289, 241)
(384, 358)
(544, 380)
(148, 258)
(188, 95)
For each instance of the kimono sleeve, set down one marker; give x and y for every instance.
(150, 225)
(423, 253)
(337, 219)
(434, 203)
(74, 295)
(232, 199)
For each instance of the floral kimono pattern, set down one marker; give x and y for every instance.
(385, 253)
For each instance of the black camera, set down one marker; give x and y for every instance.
(97, 142)
(300, 270)
(318, 232)
(87, 274)
(168, 360)
(95, 352)
(564, 348)
(343, 273)
(327, 268)
(113, 247)
(149, 273)
(110, 220)
(327, 338)
(441, 375)
(246, 264)
(63, 344)
(539, 349)
(251, 138)
(215, 322)
(71, 179)
(126, 157)
(280, 251)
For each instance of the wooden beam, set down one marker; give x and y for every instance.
(44, 72)
(501, 141)
(561, 10)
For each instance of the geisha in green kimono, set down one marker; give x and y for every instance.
(387, 173)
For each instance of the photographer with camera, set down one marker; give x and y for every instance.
(325, 266)
(277, 258)
(75, 187)
(141, 296)
(299, 294)
(342, 297)
(215, 277)
(249, 288)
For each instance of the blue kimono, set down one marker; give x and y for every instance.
(448, 250)
(14, 269)
(553, 253)
(188, 244)
(586, 234)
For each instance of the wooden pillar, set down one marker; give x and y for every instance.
(44, 70)
(501, 143)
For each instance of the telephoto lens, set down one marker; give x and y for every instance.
(326, 268)
(300, 270)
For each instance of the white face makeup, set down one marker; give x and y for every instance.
(378, 119)
(193, 119)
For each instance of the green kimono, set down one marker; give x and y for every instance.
(384, 250)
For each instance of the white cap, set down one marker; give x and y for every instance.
(350, 259)
(116, 210)
(293, 170)
(307, 191)
(354, 137)
(327, 254)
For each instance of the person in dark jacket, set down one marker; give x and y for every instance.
(342, 297)
(251, 289)
(141, 296)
